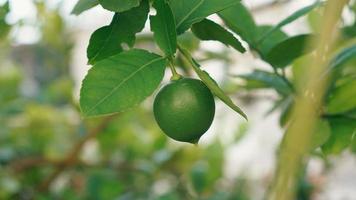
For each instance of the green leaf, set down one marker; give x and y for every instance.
(189, 12)
(266, 45)
(344, 56)
(164, 28)
(349, 32)
(217, 91)
(342, 98)
(4, 27)
(83, 5)
(239, 19)
(119, 5)
(268, 80)
(296, 15)
(108, 40)
(4, 10)
(189, 41)
(342, 131)
(211, 84)
(288, 50)
(198, 176)
(209, 30)
(121, 82)
(286, 111)
(321, 134)
(103, 184)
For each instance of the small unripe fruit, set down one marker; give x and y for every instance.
(184, 109)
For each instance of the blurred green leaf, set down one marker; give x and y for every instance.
(286, 111)
(349, 32)
(169, 196)
(296, 15)
(342, 98)
(83, 5)
(209, 30)
(119, 5)
(288, 50)
(353, 143)
(4, 27)
(266, 45)
(214, 155)
(315, 17)
(320, 135)
(103, 185)
(189, 41)
(10, 79)
(343, 57)
(240, 133)
(268, 80)
(198, 176)
(342, 131)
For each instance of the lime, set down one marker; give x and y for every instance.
(184, 109)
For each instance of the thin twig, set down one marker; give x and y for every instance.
(23, 164)
(72, 157)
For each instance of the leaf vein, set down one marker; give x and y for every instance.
(191, 12)
(124, 81)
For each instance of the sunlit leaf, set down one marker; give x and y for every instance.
(108, 40)
(119, 5)
(83, 5)
(164, 28)
(209, 30)
(121, 82)
(188, 12)
(213, 86)
(239, 19)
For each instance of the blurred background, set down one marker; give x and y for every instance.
(48, 151)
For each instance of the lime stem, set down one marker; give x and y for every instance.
(175, 74)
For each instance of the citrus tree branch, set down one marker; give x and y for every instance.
(73, 155)
(23, 164)
(295, 144)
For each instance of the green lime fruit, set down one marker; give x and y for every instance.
(184, 109)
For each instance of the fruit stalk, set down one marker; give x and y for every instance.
(175, 74)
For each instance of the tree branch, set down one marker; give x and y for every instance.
(72, 157)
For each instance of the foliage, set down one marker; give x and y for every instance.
(273, 45)
(43, 133)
